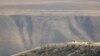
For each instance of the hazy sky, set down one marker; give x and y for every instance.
(42, 1)
(80, 6)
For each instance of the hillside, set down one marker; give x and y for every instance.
(23, 32)
(65, 49)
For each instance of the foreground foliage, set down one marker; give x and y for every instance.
(65, 50)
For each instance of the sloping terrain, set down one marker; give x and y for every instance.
(25, 24)
(23, 32)
(65, 49)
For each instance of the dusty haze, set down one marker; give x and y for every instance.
(24, 26)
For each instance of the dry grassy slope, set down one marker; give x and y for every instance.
(65, 49)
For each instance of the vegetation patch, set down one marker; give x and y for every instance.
(65, 49)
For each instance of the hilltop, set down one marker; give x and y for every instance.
(65, 49)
